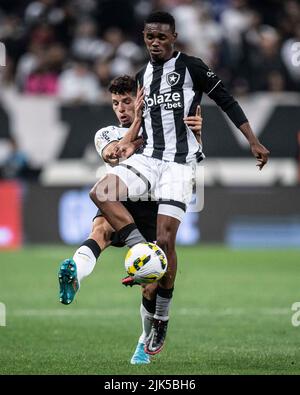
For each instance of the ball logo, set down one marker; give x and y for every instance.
(173, 78)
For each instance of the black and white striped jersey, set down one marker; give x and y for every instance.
(173, 90)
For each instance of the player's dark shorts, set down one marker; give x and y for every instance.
(144, 214)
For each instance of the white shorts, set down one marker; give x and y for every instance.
(169, 183)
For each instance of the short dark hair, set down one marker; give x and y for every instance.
(123, 84)
(161, 17)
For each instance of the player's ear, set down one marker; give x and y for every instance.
(175, 35)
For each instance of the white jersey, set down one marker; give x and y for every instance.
(107, 135)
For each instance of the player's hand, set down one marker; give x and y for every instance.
(109, 155)
(261, 154)
(139, 102)
(195, 123)
(124, 150)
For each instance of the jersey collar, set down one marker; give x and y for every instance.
(160, 63)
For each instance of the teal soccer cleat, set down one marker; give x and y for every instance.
(68, 282)
(140, 357)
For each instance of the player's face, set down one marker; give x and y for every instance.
(159, 40)
(123, 106)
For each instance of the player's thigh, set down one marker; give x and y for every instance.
(138, 173)
(110, 188)
(176, 182)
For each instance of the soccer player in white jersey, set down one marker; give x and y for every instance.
(173, 83)
(73, 271)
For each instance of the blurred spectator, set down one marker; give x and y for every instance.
(126, 55)
(298, 157)
(230, 35)
(78, 85)
(120, 13)
(27, 64)
(289, 18)
(203, 32)
(44, 77)
(42, 34)
(16, 164)
(87, 45)
(290, 53)
(103, 72)
(43, 10)
(42, 82)
(262, 66)
(235, 20)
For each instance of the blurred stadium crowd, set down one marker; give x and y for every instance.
(73, 48)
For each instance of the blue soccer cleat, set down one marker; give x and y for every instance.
(68, 282)
(140, 357)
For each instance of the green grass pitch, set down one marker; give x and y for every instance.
(231, 314)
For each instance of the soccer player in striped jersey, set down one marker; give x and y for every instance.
(172, 84)
(73, 271)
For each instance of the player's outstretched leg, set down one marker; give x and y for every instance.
(73, 270)
(68, 281)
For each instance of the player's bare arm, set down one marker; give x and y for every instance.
(194, 122)
(134, 129)
(260, 152)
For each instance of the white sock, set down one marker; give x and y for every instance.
(85, 261)
(147, 319)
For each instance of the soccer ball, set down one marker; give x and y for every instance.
(146, 262)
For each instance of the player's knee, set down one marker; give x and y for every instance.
(93, 195)
(101, 232)
(97, 193)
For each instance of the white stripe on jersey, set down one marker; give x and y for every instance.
(168, 116)
(147, 79)
(213, 87)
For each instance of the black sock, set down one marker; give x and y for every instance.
(149, 304)
(93, 246)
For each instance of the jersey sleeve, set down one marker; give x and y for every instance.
(205, 80)
(105, 136)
